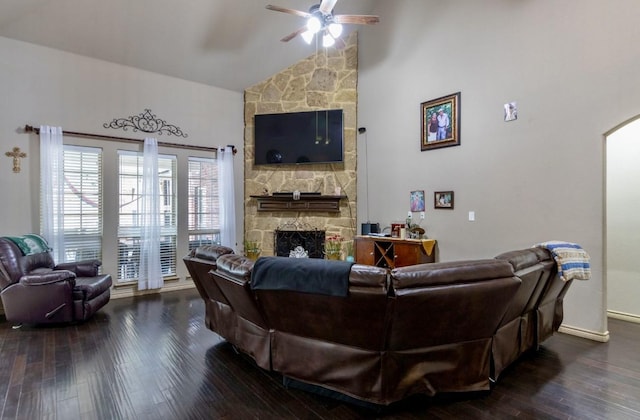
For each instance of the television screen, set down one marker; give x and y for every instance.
(299, 137)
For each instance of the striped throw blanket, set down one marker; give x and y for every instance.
(573, 261)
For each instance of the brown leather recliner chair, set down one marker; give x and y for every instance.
(36, 291)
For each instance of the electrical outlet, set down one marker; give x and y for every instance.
(472, 216)
(421, 215)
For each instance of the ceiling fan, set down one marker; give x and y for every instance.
(322, 21)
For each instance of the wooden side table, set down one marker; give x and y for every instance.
(393, 252)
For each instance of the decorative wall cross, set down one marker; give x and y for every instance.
(16, 154)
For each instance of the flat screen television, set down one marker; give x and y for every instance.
(299, 137)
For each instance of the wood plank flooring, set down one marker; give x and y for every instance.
(152, 358)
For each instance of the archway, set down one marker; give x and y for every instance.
(623, 221)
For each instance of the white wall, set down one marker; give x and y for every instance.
(623, 223)
(44, 86)
(572, 67)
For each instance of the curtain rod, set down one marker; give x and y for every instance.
(32, 129)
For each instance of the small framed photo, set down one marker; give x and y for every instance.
(510, 111)
(443, 200)
(416, 201)
(440, 122)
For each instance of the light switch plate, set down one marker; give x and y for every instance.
(472, 216)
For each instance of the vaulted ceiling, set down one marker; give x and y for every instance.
(230, 44)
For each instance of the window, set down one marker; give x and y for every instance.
(102, 184)
(82, 203)
(204, 209)
(130, 184)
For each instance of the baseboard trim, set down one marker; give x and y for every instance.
(624, 316)
(168, 287)
(601, 337)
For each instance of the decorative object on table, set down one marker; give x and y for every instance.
(395, 229)
(298, 252)
(147, 123)
(416, 232)
(510, 111)
(252, 249)
(443, 200)
(440, 122)
(348, 251)
(16, 154)
(333, 247)
(416, 200)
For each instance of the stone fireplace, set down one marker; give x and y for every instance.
(327, 79)
(312, 241)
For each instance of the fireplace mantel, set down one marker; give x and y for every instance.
(306, 202)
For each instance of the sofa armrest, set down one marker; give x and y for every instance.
(85, 268)
(524, 258)
(50, 277)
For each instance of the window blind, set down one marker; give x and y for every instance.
(82, 203)
(204, 206)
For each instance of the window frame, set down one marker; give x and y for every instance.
(128, 235)
(199, 234)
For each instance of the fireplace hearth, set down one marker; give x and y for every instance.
(311, 241)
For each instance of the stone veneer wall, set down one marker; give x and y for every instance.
(325, 80)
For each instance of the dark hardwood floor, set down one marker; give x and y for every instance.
(153, 358)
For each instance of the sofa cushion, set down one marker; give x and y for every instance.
(211, 252)
(446, 273)
(235, 266)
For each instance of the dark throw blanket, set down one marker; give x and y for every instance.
(306, 275)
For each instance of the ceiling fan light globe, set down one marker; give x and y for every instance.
(307, 36)
(335, 29)
(314, 24)
(328, 40)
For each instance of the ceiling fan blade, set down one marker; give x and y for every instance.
(294, 34)
(356, 19)
(327, 6)
(286, 10)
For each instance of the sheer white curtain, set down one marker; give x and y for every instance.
(52, 185)
(227, 197)
(150, 276)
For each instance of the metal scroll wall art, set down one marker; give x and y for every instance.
(147, 123)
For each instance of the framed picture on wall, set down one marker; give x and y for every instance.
(440, 120)
(443, 200)
(416, 201)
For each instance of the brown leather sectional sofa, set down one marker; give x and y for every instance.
(423, 329)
